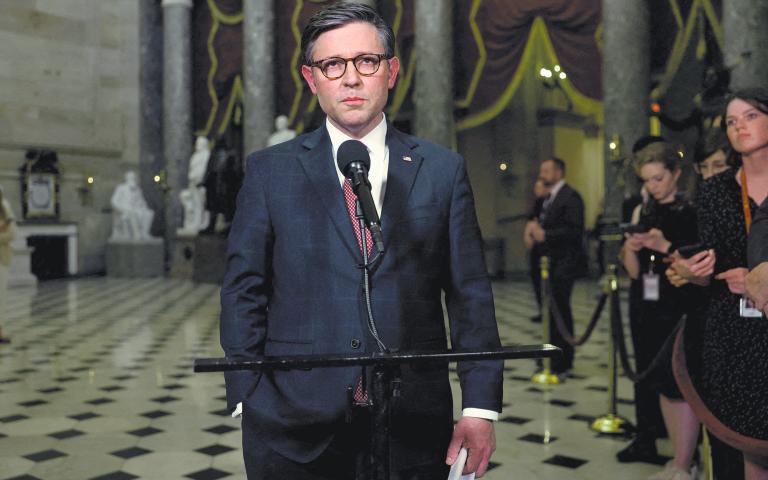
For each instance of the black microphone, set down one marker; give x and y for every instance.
(353, 161)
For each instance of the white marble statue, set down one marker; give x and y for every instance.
(131, 217)
(282, 132)
(192, 198)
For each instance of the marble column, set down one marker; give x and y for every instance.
(746, 42)
(626, 87)
(259, 82)
(433, 91)
(177, 109)
(151, 159)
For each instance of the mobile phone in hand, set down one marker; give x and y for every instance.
(633, 228)
(687, 251)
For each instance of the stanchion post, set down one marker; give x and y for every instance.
(545, 375)
(611, 422)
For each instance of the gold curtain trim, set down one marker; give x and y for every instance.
(218, 18)
(683, 39)
(538, 37)
(482, 56)
(294, 59)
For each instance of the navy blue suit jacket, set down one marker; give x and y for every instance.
(293, 286)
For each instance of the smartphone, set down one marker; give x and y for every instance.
(687, 251)
(633, 228)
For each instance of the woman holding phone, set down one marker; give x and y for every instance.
(670, 222)
(727, 381)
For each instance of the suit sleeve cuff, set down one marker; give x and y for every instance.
(480, 413)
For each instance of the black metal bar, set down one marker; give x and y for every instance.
(312, 361)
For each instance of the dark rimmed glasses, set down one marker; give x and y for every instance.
(366, 65)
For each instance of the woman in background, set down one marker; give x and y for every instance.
(671, 223)
(727, 381)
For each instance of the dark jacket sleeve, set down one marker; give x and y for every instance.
(469, 301)
(758, 237)
(246, 288)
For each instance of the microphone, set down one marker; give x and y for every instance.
(353, 161)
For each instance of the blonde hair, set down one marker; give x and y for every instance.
(658, 152)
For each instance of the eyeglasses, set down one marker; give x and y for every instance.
(366, 65)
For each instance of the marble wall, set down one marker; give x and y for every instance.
(69, 78)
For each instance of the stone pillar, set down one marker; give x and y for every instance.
(177, 109)
(626, 87)
(746, 42)
(151, 160)
(258, 51)
(433, 93)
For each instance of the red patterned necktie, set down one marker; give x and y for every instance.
(350, 198)
(360, 395)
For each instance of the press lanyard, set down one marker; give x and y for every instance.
(745, 200)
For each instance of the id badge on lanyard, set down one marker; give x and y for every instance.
(747, 308)
(651, 284)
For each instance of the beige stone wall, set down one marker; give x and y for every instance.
(69, 73)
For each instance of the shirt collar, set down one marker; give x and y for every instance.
(375, 140)
(555, 189)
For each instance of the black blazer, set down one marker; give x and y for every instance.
(563, 224)
(293, 287)
(757, 252)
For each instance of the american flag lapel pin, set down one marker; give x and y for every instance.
(407, 158)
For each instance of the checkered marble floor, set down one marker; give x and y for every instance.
(97, 384)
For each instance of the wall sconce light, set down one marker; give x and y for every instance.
(161, 180)
(85, 190)
(615, 147)
(551, 77)
(503, 166)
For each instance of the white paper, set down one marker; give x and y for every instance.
(458, 467)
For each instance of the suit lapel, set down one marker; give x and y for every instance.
(317, 162)
(404, 163)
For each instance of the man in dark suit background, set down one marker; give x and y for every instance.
(294, 276)
(561, 234)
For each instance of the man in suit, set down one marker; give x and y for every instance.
(294, 276)
(560, 232)
(757, 279)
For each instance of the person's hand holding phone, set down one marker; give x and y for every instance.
(655, 240)
(696, 269)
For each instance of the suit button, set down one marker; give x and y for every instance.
(355, 343)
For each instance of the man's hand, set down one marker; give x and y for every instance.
(538, 232)
(528, 239)
(735, 279)
(757, 286)
(478, 437)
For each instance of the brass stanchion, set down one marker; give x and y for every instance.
(706, 455)
(545, 376)
(611, 422)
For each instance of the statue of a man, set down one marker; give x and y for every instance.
(196, 217)
(132, 217)
(282, 132)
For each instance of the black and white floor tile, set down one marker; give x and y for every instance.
(97, 383)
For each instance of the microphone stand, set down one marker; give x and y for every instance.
(385, 386)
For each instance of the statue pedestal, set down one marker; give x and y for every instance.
(200, 258)
(136, 259)
(210, 259)
(183, 255)
(20, 274)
